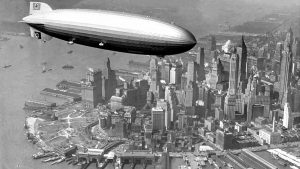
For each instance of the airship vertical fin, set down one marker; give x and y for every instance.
(39, 8)
(39, 35)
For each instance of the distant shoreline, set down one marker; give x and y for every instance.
(13, 33)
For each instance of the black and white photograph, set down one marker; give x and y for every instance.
(150, 84)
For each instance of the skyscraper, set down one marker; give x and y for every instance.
(191, 73)
(200, 65)
(287, 116)
(230, 99)
(109, 81)
(158, 118)
(296, 50)
(257, 97)
(243, 65)
(91, 89)
(213, 75)
(278, 57)
(166, 107)
(233, 74)
(213, 45)
(286, 69)
(154, 75)
(165, 71)
(216, 76)
(175, 74)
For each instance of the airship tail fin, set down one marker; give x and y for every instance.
(39, 35)
(38, 8)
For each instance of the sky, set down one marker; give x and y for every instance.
(199, 16)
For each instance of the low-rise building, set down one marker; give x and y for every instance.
(270, 137)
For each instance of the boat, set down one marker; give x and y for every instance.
(7, 66)
(68, 67)
(44, 69)
(283, 163)
(69, 159)
(75, 162)
(59, 160)
(70, 162)
(51, 159)
(275, 156)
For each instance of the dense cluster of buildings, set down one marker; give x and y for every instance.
(235, 95)
(239, 89)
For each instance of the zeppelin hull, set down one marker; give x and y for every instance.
(114, 43)
(113, 31)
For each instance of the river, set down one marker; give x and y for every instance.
(24, 80)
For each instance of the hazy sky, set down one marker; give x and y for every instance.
(199, 16)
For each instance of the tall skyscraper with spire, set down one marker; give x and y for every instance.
(286, 69)
(109, 81)
(233, 74)
(230, 99)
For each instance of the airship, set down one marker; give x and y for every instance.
(110, 30)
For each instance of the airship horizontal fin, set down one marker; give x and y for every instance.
(38, 8)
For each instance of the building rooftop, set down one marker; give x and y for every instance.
(60, 93)
(70, 84)
(157, 109)
(146, 154)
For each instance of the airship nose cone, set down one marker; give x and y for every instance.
(189, 38)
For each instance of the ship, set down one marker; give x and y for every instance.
(6, 66)
(61, 159)
(51, 159)
(68, 67)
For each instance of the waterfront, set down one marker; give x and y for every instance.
(24, 80)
